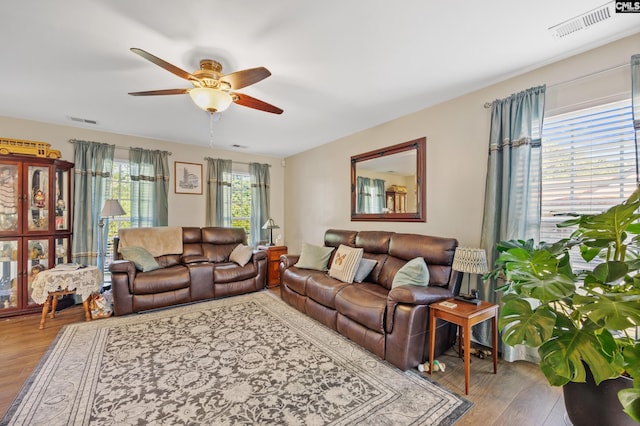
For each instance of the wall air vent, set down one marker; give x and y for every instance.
(82, 120)
(583, 21)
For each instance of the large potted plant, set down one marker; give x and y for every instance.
(583, 322)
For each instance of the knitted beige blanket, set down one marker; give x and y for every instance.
(158, 240)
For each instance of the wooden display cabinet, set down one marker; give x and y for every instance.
(35, 225)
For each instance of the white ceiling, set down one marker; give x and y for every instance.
(338, 66)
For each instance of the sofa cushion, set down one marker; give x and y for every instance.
(345, 263)
(323, 289)
(140, 257)
(364, 303)
(161, 280)
(241, 254)
(364, 269)
(230, 272)
(314, 257)
(415, 272)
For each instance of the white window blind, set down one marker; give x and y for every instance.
(588, 163)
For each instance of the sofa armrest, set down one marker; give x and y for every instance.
(259, 254)
(288, 260)
(122, 266)
(418, 295)
(194, 258)
(412, 295)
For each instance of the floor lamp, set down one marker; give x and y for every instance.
(111, 208)
(471, 261)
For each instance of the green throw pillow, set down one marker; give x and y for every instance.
(314, 257)
(140, 257)
(414, 272)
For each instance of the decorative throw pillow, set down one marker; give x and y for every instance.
(314, 257)
(414, 272)
(140, 257)
(345, 263)
(241, 254)
(364, 269)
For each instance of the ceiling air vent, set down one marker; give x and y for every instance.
(582, 21)
(82, 120)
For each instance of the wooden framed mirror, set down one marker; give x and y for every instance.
(388, 184)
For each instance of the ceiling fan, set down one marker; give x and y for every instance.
(212, 91)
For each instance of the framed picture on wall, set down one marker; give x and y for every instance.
(188, 178)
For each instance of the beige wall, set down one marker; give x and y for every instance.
(457, 132)
(184, 209)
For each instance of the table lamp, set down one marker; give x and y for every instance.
(471, 261)
(270, 225)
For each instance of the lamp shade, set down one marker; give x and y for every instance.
(470, 260)
(112, 208)
(209, 99)
(270, 224)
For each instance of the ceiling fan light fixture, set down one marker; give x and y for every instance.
(209, 99)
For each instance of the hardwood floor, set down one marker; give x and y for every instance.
(517, 395)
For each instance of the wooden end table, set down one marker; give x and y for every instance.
(465, 316)
(273, 264)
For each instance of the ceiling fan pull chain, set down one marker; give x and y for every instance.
(211, 129)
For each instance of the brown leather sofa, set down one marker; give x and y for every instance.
(202, 271)
(391, 323)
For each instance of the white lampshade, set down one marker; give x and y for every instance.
(470, 260)
(270, 224)
(112, 208)
(211, 100)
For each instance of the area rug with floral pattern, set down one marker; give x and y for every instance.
(249, 359)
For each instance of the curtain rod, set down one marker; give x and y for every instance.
(236, 162)
(573, 80)
(117, 146)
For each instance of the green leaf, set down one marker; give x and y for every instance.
(631, 356)
(549, 289)
(630, 400)
(522, 325)
(561, 358)
(614, 311)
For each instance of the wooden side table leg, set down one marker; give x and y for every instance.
(87, 312)
(460, 337)
(494, 333)
(432, 339)
(467, 356)
(45, 311)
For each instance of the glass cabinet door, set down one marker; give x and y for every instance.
(8, 274)
(62, 186)
(62, 250)
(37, 198)
(37, 261)
(9, 193)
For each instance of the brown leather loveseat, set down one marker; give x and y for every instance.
(197, 267)
(391, 323)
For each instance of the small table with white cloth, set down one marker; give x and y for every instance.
(49, 284)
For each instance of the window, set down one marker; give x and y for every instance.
(120, 190)
(588, 164)
(241, 201)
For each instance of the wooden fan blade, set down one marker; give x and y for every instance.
(250, 102)
(164, 64)
(161, 92)
(244, 78)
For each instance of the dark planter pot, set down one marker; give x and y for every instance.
(591, 405)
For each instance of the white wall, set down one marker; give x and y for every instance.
(184, 209)
(317, 181)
